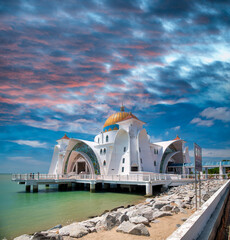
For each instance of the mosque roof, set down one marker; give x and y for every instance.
(64, 137)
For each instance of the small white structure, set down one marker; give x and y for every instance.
(123, 147)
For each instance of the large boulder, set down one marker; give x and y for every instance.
(65, 231)
(78, 231)
(130, 228)
(45, 236)
(123, 218)
(107, 223)
(159, 214)
(139, 219)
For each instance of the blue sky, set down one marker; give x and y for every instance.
(67, 65)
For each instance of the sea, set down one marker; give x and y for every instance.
(26, 213)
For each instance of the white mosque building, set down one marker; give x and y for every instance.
(122, 148)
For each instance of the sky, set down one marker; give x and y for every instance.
(66, 66)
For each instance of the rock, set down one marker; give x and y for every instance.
(149, 200)
(140, 229)
(78, 231)
(159, 205)
(56, 227)
(43, 236)
(65, 231)
(178, 225)
(139, 219)
(107, 223)
(125, 227)
(206, 197)
(130, 228)
(159, 214)
(123, 218)
(183, 219)
(23, 237)
(183, 211)
(167, 208)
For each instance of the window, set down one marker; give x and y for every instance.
(104, 150)
(107, 138)
(124, 149)
(122, 169)
(104, 163)
(134, 169)
(157, 151)
(123, 160)
(155, 163)
(139, 149)
(141, 160)
(101, 151)
(98, 140)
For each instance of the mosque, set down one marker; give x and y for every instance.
(122, 148)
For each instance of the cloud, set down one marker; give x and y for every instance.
(213, 153)
(200, 122)
(35, 144)
(221, 113)
(176, 128)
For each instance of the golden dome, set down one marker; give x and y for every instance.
(116, 117)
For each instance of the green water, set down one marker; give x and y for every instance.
(22, 212)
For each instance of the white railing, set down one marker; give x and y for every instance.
(139, 177)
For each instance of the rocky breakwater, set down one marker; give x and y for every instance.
(133, 219)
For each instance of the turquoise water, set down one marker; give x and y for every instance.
(22, 212)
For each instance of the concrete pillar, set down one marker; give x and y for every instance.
(27, 188)
(69, 186)
(35, 188)
(92, 187)
(206, 173)
(148, 189)
(221, 171)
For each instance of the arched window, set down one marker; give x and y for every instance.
(141, 160)
(104, 163)
(104, 150)
(101, 151)
(98, 140)
(123, 160)
(107, 138)
(155, 163)
(124, 149)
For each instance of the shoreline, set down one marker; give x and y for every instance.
(167, 209)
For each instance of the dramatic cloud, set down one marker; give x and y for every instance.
(68, 65)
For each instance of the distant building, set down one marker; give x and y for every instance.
(123, 147)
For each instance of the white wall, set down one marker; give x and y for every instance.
(115, 165)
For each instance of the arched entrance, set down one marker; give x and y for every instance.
(79, 163)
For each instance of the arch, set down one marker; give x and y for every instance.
(86, 151)
(79, 162)
(170, 152)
